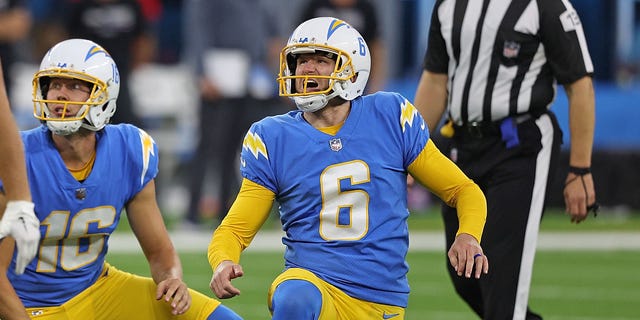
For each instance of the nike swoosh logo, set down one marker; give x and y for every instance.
(37, 313)
(389, 316)
(24, 223)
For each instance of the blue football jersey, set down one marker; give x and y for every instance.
(77, 218)
(343, 198)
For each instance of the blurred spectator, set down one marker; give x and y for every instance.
(48, 26)
(629, 72)
(232, 46)
(151, 9)
(121, 28)
(363, 16)
(169, 32)
(15, 23)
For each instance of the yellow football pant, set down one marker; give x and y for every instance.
(119, 295)
(337, 305)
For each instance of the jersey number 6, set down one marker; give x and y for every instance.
(344, 214)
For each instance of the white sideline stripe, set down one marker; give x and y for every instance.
(419, 241)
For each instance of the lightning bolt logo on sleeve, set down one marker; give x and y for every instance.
(407, 114)
(254, 144)
(147, 152)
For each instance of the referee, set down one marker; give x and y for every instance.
(493, 66)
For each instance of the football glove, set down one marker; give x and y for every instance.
(20, 222)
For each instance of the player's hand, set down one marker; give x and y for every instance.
(465, 253)
(20, 222)
(174, 291)
(221, 280)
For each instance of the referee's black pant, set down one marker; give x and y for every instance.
(514, 180)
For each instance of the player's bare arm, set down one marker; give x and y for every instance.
(12, 164)
(166, 270)
(11, 307)
(17, 216)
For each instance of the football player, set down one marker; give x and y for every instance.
(338, 169)
(83, 172)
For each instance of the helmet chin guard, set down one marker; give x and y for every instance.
(82, 60)
(333, 36)
(311, 103)
(64, 128)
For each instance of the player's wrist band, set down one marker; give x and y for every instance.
(579, 171)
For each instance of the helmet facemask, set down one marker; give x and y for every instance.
(66, 124)
(333, 36)
(314, 100)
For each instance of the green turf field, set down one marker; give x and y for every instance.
(554, 220)
(567, 285)
(429, 220)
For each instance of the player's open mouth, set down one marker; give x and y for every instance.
(60, 112)
(312, 83)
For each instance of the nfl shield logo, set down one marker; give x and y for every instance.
(335, 144)
(81, 193)
(510, 49)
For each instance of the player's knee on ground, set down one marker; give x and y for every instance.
(296, 299)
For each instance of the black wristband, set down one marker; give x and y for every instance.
(579, 171)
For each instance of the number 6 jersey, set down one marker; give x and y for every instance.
(343, 197)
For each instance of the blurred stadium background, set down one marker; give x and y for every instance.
(583, 272)
(165, 97)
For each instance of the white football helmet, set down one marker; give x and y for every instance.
(87, 61)
(331, 35)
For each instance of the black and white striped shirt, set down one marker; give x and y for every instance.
(503, 57)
